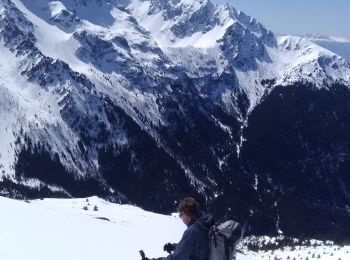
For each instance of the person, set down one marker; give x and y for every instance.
(194, 244)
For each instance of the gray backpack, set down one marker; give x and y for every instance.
(223, 239)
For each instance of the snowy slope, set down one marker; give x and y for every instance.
(27, 108)
(62, 229)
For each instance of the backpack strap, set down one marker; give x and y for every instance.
(227, 247)
(212, 235)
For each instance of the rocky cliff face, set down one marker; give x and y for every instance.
(149, 101)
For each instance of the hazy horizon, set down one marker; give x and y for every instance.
(298, 17)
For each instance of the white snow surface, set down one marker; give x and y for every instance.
(59, 229)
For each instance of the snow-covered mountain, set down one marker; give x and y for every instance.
(148, 101)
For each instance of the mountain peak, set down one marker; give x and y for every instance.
(197, 23)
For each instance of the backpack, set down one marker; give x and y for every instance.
(223, 239)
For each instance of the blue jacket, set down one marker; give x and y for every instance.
(194, 244)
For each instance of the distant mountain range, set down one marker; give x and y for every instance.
(148, 101)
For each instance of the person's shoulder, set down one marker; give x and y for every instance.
(206, 220)
(191, 228)
(192, 232)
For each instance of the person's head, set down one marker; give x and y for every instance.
(188, 209)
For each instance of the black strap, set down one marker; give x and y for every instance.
(212, 236)
(227, 247)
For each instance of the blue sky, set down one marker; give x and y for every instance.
(329, 17)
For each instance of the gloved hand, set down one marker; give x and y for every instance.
(143, 256)
(169, 247)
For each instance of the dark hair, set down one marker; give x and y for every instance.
(189, 206)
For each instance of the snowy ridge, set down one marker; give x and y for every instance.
(312, 63)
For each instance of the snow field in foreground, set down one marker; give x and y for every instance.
(57, 229)
(94, 229)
